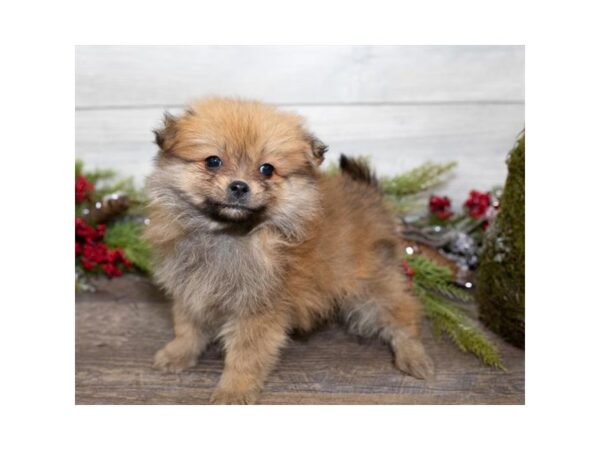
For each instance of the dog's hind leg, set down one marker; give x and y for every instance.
(389, 311)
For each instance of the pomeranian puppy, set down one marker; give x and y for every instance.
(252, 241)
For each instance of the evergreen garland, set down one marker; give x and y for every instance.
(121, 227)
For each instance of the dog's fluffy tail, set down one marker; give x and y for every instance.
(358, 170)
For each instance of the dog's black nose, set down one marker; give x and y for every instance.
(238, 189)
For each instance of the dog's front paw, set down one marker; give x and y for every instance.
(225, 397)
(173, 359)
(413, 360)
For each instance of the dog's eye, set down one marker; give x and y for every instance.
(266, 169)
(212, 162)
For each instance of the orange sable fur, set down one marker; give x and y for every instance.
(297, 248)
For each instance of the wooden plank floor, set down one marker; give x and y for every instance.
(122, 325)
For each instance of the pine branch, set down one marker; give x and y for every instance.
(432, 285)
(78, 167)
(416, 180)
(429, 272)
(98, 175)
(403, 205)
(126, 186)
(437, 278)
(461, 330)
(128, 236)
(452, 292)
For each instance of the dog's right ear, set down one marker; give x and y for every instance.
(317, 149)
(166, 135)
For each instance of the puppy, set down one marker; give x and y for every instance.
(252, 241)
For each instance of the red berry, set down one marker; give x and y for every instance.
(477, 204)
(408, 270)
(440, 206)
(87, 264)
(82, 188)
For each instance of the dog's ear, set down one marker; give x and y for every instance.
(317, 149)
(165, 136)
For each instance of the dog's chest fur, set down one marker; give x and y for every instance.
(219, 273)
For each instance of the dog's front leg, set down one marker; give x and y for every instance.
(251, 348)
(189, 342)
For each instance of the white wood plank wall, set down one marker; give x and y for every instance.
(400, 105)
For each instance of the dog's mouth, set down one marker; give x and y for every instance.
(233, 212)
(240, 207)
(235, 207)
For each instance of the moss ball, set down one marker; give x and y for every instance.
(500, 290)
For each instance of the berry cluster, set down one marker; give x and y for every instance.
(92, 252)
(477, 204)
(83, 189)
(440, 206)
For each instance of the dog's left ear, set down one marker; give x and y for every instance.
(317, 148)
(165, 137)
